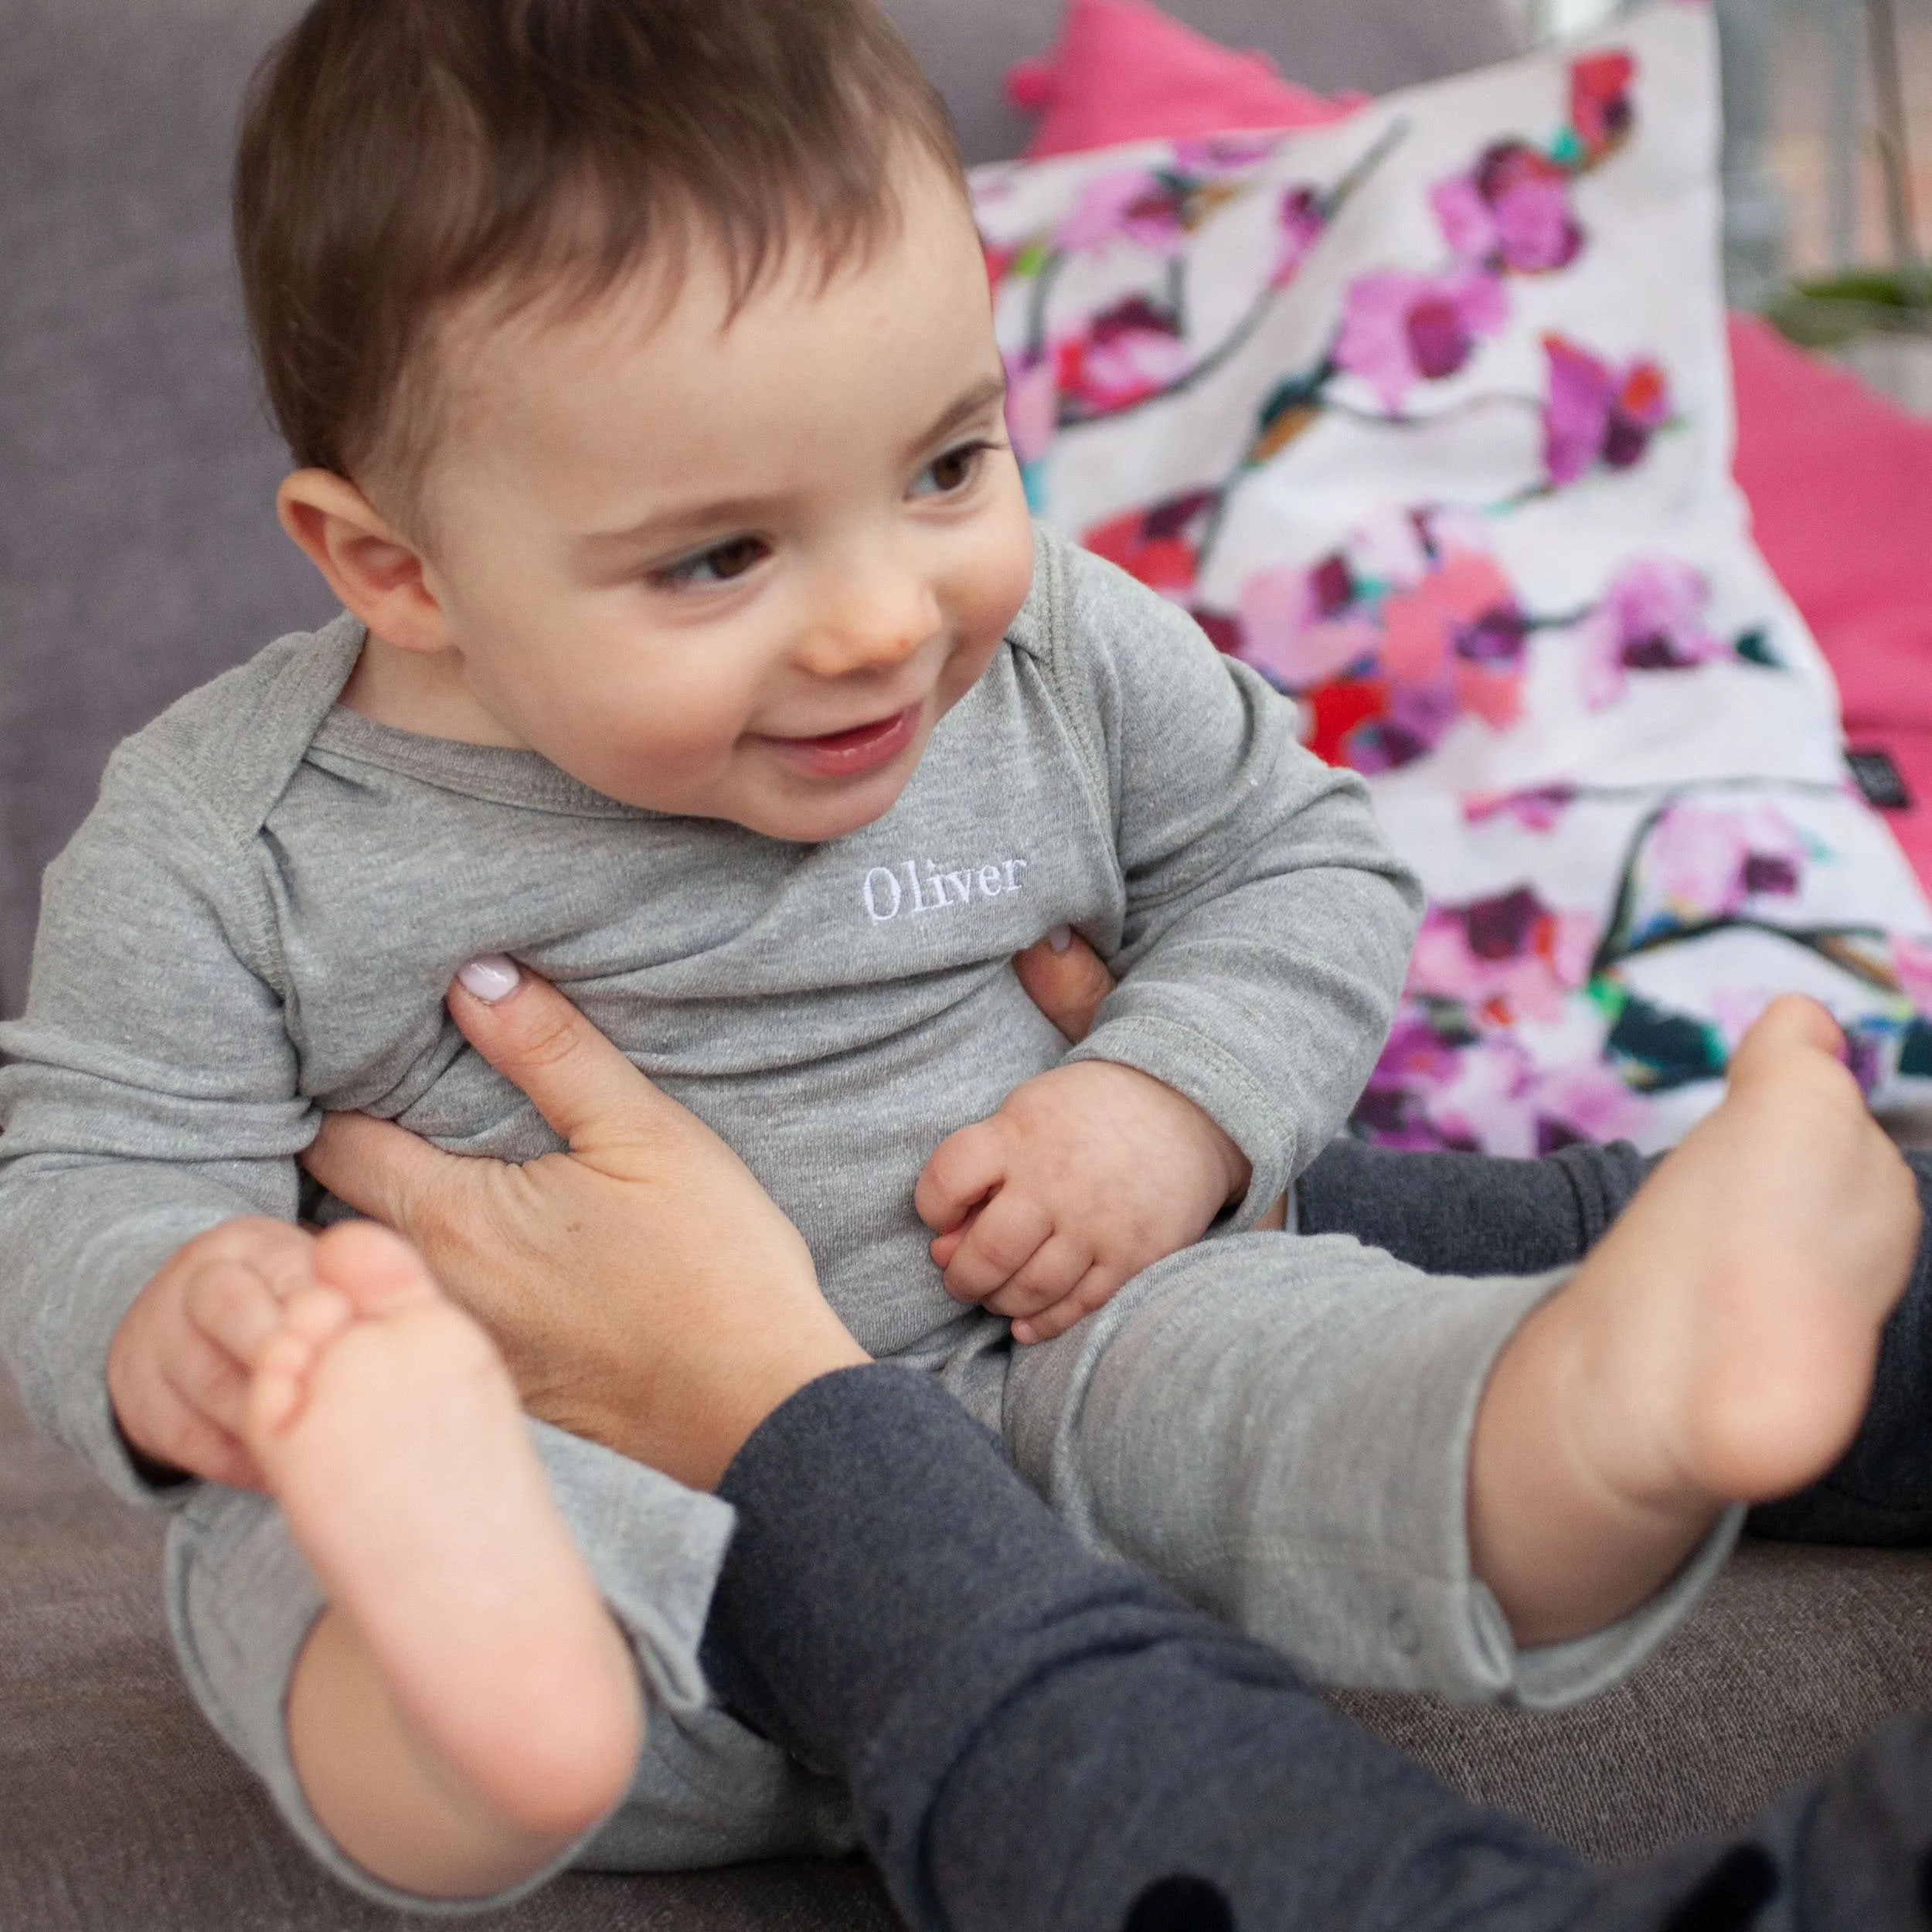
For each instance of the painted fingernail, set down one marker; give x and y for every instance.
(1059, 938)
(490, 978)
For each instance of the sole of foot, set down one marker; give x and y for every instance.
(1738, 1302)
(391, 1437)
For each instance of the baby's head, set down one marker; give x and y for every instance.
(638, 359)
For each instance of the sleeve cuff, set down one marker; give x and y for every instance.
(1204, 1071)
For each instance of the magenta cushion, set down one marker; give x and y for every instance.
(1839, 480)
(1123, 70)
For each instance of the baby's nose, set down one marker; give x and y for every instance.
(871, 628)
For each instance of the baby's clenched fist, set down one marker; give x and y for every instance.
(178, 1365)
(1086, 1176)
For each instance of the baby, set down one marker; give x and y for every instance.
(698, 652)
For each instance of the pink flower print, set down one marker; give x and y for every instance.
(1583, 1101)
(1452, 644)
(1600, 114)
(1529, 195)
(1399, 329)
(1162, 545)
(1539, 810)
(1482, 1109)
(1465, 608)
(1129, 352)
(1508, 957)
(1301, 220)
(1032, 408)
(1912, 960)
(1706, 861)
(1510, 215)
(1595, 414)
(1133, 206)
(1651, 618)
(1222, 157)
(1300, 628)
(1417, 1064)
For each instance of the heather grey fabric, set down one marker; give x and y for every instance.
(259, 922)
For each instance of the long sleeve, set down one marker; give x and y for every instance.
(150, 1091)
(1268, 924)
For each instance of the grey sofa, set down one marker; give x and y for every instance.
(138, 556)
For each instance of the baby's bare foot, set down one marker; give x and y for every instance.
(1717, 1346)
(391, 1435)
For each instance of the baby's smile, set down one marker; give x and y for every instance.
(855, 752)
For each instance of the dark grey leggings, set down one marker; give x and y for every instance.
(1473, 1214)
(1040, 1742)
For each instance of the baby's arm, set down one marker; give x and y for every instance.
(1266, 930)
(149, 1097)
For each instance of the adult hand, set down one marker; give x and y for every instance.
(1065, 980)
(643, 1288)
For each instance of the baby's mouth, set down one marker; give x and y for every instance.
(851, 754)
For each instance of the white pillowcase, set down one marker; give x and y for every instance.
(1427, 414)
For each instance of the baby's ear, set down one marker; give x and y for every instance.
(376, 571)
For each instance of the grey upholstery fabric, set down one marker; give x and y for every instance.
(967, 45)
(1796, 1653)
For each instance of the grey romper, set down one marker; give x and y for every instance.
(258, 920)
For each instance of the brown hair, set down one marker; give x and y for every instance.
(398, 156)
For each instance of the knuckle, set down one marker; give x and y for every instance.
(548, 1039)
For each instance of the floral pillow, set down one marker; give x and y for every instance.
(1427, 416)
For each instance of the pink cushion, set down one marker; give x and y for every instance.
(1123, 70)
(1839, 480)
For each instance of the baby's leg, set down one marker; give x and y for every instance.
(464, 1707)
(1280, 1428)
(1716, 1346)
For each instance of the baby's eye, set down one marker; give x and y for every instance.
(948, 475)
(718, 565)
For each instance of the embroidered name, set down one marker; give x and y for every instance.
(890, 890)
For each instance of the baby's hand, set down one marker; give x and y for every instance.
(1086, 1176)
(178, 1365)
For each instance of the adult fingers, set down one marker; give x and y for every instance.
(1067, 982)
(590, 1093)
(1009, 1231)
(965, 1167)
(382, 1170)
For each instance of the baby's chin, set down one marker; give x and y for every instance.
(805, 821)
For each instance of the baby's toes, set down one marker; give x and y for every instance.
(277, 1387)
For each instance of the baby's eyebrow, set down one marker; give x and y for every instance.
(984, 394)
(694, 519)
(685, 520)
